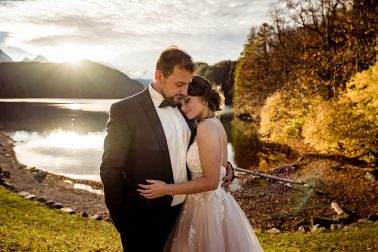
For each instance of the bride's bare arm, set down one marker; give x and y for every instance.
(210, 153)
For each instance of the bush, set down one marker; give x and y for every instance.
(348, 126)
(283, 116)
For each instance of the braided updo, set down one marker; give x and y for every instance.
(211, 93)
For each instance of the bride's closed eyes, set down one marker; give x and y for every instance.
(185, 100)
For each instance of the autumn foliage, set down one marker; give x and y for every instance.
(305, 76)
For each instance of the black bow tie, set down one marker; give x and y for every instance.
(166, 103)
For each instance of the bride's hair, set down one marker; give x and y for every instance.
(211, 93)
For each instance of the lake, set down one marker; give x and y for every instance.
(64, 136)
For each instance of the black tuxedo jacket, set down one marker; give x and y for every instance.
(135, 149)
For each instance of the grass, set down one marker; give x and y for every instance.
(355, 239)
(30, 226)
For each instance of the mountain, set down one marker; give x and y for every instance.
(4, 57)
(144, 82)
(64, 80)
(40, 59)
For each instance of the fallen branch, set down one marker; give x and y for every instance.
(263, 175)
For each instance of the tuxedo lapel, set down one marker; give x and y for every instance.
(157, 128)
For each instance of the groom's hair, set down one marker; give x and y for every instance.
(171, 57)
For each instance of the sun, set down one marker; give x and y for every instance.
(70, 53)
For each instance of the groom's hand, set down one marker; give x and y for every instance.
(229, 177)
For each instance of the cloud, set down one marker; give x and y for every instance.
(3, 36)
(211, 30)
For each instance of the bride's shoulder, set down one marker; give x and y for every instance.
(206, 127)
(205, 124)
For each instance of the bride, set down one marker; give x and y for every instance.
(211, 219)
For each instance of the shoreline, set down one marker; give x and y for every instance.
(267, 204)
(50, 186)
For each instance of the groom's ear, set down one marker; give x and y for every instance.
(158, 76)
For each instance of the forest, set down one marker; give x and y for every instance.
(309, 78)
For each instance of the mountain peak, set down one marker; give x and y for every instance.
(40, 59)
(4, 57)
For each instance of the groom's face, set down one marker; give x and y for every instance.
(175, 86)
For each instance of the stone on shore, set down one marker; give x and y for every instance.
(68, 210)
(23, 194)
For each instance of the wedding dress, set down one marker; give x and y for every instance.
(212, 221)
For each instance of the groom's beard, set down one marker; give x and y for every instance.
(175, 99)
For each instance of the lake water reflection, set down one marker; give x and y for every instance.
(62, 136)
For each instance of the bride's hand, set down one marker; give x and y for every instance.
(154, 189)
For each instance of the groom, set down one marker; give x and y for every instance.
(147, 138)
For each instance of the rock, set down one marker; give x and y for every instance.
(84, 214)
(315, 227)
(274, 231)
(23, 194)
(301, 230)
(40, 176)
(7, 155)
(57, 205)
(68, 210)
(6, 174)
(96, 217)
(9, 186)
(50, 203)
(40, 199)
(31, 197)
(53, 204)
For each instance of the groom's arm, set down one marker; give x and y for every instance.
(112, 170)
(230, 175)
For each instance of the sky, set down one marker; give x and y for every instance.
(128, 34)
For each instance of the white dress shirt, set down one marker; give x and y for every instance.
(177, 133)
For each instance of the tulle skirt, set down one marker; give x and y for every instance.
(212, 222)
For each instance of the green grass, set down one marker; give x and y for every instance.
(355, 239)
(30, 226)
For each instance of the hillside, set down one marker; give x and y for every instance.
(64, 80)
(4, 57)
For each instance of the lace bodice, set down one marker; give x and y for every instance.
(194, 163)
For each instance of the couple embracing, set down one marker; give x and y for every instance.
(165, 170)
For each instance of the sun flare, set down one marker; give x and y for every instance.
(73, 53)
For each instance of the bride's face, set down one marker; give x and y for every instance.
(192, 106)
